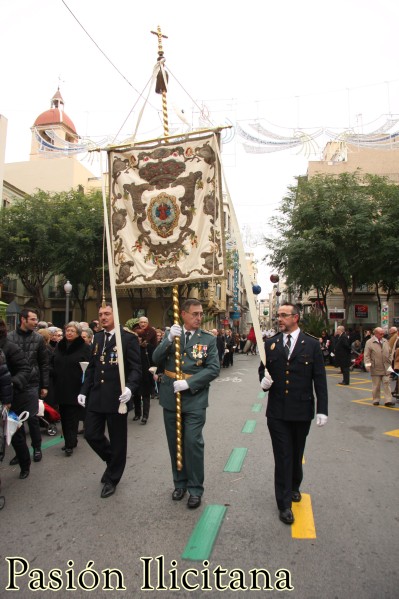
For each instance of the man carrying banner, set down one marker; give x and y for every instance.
(199, 366)
(102, 386)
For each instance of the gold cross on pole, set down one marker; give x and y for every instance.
(160, 35)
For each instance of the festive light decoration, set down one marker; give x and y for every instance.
(306, 142)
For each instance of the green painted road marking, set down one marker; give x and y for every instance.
(203, 537)
(261, 395)
(236, 459)
(256, 407)
(49, 443)
(249, 426)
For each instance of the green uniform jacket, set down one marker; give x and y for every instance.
(198, 358)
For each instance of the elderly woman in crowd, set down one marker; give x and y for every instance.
(67, 372)
(87, 334)
(56, 336)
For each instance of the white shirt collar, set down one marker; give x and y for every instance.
(294, 336)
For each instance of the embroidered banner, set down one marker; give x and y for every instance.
(166, 213)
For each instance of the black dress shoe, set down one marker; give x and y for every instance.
(296, 496)
(178, 494)
(144, 421)
(108, 490)
(14, 461)
(342, 383)
(136, 418)
(37, 455)
(193, 502)
(68, 452)
(63, 448)
(286, 516)
(24, 474)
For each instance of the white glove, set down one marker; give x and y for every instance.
(126, 395)
(321, 419)
(175, 331)
(226, 351)
(180, 386)
(332, 355)
(266, 382)
(82, 400)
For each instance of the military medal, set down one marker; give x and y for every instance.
(102, 358)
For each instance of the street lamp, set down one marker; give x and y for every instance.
(67, 289)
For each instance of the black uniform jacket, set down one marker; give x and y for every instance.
(67, 372)
(291, 396)
(102, 385)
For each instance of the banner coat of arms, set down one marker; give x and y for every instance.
(166, 213)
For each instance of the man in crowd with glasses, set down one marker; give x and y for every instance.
(199, 366)
(295, 369)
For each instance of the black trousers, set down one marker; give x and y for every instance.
(18, 441)
(137, 399)
(288, 441)
(345, 374)
(70, 417)
(112, 450)
(35, 432)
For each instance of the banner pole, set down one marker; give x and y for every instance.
(118, 338)
(162, 87)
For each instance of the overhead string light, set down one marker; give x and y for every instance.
(379, 138)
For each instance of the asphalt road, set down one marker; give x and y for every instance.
(55, 524)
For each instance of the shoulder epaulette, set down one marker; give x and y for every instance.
(272, 337)
(313, 337)
(129, 331)
(206, 332)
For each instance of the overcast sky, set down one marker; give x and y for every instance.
(290, 65)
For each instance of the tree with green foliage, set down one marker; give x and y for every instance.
(79, 250)
(27, 242)
(54, 234)
(337, 231)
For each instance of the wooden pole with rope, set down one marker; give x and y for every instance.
(162, 88)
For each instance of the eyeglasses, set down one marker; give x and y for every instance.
(284, 315)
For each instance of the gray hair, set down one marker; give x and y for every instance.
(76, 325)
(89, 332)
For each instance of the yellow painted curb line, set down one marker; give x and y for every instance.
(393, 433)
(303, 527)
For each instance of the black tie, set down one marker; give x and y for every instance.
(188, 335)
(287, 346)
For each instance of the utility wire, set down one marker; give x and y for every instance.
(103, 53)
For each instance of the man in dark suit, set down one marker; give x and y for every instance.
(342, 353)
(295, 365)
(199, 366)
(102, 387)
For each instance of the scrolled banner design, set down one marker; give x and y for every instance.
(166, 212)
